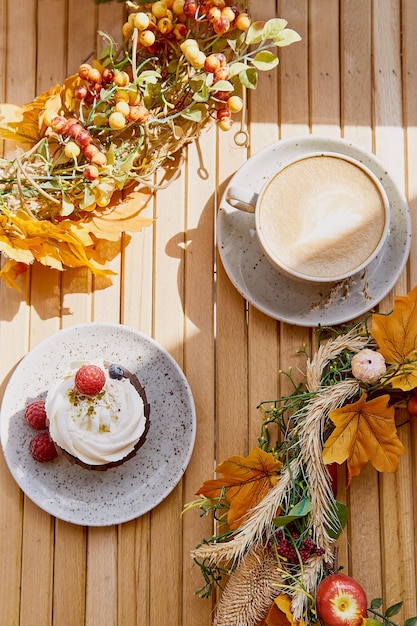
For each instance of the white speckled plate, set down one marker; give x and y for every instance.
(291, 301)
(101, 498)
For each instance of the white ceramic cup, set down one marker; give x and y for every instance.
(320, 218)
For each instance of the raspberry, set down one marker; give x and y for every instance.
(35, 415)
(89, 380)
(42, 448)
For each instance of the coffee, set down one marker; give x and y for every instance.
(321, 217)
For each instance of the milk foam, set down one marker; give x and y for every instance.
(99, 429)
(322, 216)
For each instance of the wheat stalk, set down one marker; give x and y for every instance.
(252, 531)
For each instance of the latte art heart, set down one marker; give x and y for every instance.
(321, 216)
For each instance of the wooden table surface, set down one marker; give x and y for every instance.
(353, 75)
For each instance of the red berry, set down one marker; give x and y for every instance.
(35, 415)
(42, 448)
(412, 406)
(90, 380)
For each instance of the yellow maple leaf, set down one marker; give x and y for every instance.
(365, 431)
(25, 124)
(24, 239)
(122, 216)
(396, 336)
(245, 481)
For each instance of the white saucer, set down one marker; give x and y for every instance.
(291, 301)
(101, 498)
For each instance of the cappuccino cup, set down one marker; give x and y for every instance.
(320, 218)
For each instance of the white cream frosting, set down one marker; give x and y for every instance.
(100, 429)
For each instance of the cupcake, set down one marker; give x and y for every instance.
(97, 415)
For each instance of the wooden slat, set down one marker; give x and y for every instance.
(360, 544)
(168, 331)
(262, 330)
(409, 90)
(324, 67)
(199, 358)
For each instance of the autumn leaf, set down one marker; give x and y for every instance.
(396, 336)
(365, 431)
(24, 123)
(280, 613)
(246, 481)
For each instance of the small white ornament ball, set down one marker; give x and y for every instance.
(368, 366)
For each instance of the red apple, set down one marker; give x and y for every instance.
(341, 601)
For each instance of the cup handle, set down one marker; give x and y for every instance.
(242, 199)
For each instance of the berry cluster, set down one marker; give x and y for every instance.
(41, 445)
(292, 549)
(75, 139)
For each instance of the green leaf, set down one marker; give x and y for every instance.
(89, 197)
(286, 38)
(67, 206)
(273, 28)
(249, 78)
(342, 517)
(376, 603)
(265, 61)
(202, 95)
(254, 33)
(194, 113)
(222, 85)
(411, 621)
(148, 76)
(301, 509)
(393, 609)
(236, 68)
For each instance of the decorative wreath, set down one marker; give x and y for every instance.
(276, 509)
(93, 145)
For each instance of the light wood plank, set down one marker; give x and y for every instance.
(409, 51)
(361, 554)
(169, 332)
(101, 589)
(199, 357)
(324, 67)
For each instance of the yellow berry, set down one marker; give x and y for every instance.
(178, 7)
(71, 150)
(243, 21)
(83, 70)
(121, 96)
(99, 159)
(94, 75)
(146, 38)
(159, 9)
(117, 121)
(188, 43)
(235, 104)
(141, 21)
(122, 107)
(121, 79)
(225, 123)
(49, 116)
(165, 25)
(127, 30)
(196, 57)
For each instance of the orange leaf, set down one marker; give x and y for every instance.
(121, 216)
(246, 481)
(396, 336)
(280, 613)
(365, 431)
